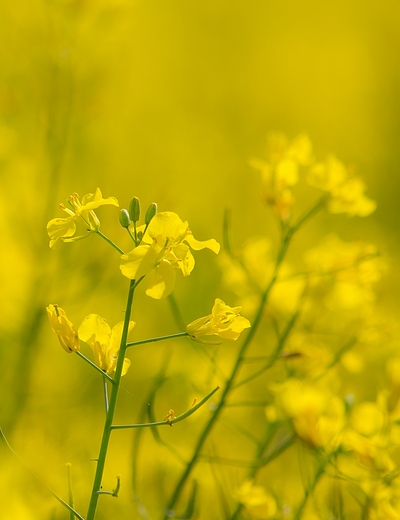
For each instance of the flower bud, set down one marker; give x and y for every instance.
(124, 219)
(152, 210)
(134, 209)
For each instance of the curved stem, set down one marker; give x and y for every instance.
(169, 422)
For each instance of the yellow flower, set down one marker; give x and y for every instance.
(104, 341)
(224, 321)
(280, 172)
(66, 332)
(317, 415)
(162, 252)
(346, 190)
(256, 500)
(64, 228)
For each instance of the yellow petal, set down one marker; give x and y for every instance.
(93, 201)
(94, 329)
(160, 281)
(197, 245)
(166, 224)
(138, 262)
(60, 227)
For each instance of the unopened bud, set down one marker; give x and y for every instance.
(124, 219)
(134, 209)
(152, 210)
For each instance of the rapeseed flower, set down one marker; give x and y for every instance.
(259, 502)
(104, 342)
(162, 252)
(64, 228)
(224, 322)
(346, 191)
(280, 172)
(65, 330)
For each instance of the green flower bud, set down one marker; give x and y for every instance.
(134, 209)
(152, 210)
(124, 219)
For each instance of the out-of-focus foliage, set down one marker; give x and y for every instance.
(172, 102)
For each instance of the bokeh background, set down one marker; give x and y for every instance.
(165, 100)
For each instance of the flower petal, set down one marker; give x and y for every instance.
(197, 245)
(139, 262)
(160, 281)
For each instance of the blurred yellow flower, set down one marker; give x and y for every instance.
(104, 341)
(224, 321)
(318, 415)
(162, 252)
(64, 228)
(354, 266)
(65, 330)
(280, 172)
(257, 500)
(346, 190)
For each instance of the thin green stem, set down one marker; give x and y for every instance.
(105, 389)
(62, 502)
(230, 382)
(154, 340)
(132, 236)
(168, 422)
(98, 232)
(70, 492)
(276, 354)
(106, 376)
(320, 471)
(311, 212)
(112, 406)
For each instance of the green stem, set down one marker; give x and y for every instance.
(106, 376)
(65, 504)
(105, 394)
(230, 383)
(168, 422)
(112, 406)
(320, 471)
(98, 232)
(311, 212)
(154, 340)
(70, 492)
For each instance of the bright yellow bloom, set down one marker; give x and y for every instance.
(64, 228)
(318, 416)
(224, 321)
(104, 341)
(66, 332)
(346, 190)
(256, 500)
(163, 251)
(280, 172)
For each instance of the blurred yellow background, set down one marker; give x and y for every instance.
(168, 101)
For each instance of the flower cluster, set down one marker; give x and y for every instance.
(64, 228)
(280, 172)
(164, 250)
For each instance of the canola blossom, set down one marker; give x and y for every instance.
(65, 330)
(64, 228)
(346, 191)
(104, 342)
(224, 322)
(162, 252)
(280, 172)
